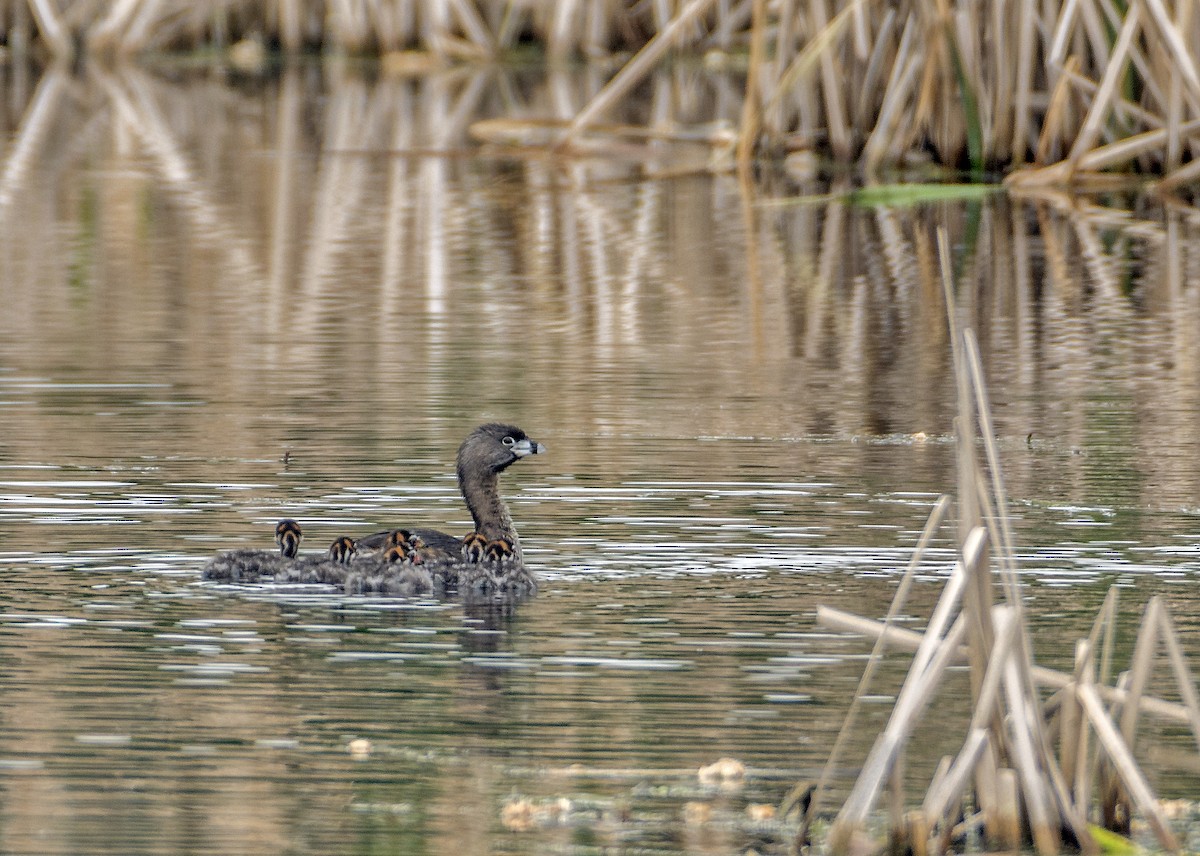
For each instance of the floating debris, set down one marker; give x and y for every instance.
(760, 812)
(724, 772)
(697, 813)
(519, 815)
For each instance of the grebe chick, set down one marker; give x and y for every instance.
(380, 541)
(402, 552)
(249, 566)
(288, 536)
(486, 575)
(342, 551)
(474, 547)
(499, 551)
(508, 575)
(329, 567)
(399, 574)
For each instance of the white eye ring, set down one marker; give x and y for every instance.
(508, 442)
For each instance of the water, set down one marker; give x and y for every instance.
(227, 303)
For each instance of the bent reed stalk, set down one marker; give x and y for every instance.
(1056, 91)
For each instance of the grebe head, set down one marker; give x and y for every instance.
(288, 536)
(496, 446)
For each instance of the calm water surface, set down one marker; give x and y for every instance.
(230, 302)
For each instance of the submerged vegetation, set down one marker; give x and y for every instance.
(1056, 92)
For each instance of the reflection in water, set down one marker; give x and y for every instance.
(227, 305)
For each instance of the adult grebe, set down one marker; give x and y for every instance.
(486, 452)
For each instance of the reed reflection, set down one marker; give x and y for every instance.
(328, 231)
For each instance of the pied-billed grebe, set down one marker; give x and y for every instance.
(498, 571)
(330, 567)
(251, 565)
(500, 551)
(288, 537)
(400, 571)
(381, 541)
(474, 546)
(342, 550)
(486, 452)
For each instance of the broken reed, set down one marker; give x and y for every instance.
(1073, 87)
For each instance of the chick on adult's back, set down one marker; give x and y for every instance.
(486, 453)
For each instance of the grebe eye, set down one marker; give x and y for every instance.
(508, 442)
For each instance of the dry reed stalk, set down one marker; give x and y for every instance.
(730, 19)
(1105, 156)
(1006, 542)
(1084, 761)
(151, 21)
(947, 789)
(940, 775)
(1141, 668)
(977, 599)
(435, 31)
(912, 700)
(816, 51)
(785, 44)
(291, 25)
(932, 524)
(1068, 720)
(52, 29)
(751, 119)
(1098, 112)
(598, 36)
(104, 36)
(840, 139)
(1070, 814)
(898, 823)
(937, 648)
(909, 640)
(1055, 120)
(939, 800)
(1128, 111)
(1023, 721)
(880, 52)
(1022, 121)
(513, 18)
(473, 26)
(1174, 155)
(636, 68)
(1180, 55)
(1183, 675)
(1118, 752)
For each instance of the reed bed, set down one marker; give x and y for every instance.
(1057, 92)
(1031, 770)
